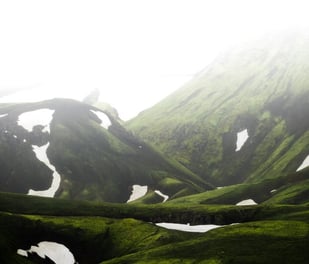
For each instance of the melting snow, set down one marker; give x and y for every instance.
(188, 227)
(105, 121)
(38, 117)
(41, 155)
(242, 137)
(22, 252)
(247, 202)
(304, 164)
(138, 192)
(58, 253)
(162, 195)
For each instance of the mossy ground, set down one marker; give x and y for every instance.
(256, 242)
(111, 233)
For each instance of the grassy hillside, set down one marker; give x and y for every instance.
(289, 189)
(264, 88)
(95, 163)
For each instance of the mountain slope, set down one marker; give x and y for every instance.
(261, 90)
(94, 156)
(289, 189)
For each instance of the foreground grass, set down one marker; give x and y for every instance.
(90, 239)
(256, 242)
(121, 233)
(105, 240)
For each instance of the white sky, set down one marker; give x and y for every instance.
(135, 51)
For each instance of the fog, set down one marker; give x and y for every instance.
(135, 52)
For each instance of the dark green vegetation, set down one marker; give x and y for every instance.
(263, 88)
(94, 163)
(108, 233)
(289, 189)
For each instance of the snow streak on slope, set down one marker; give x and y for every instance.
(41, 155)
(305, 164)
(105, 121)
(242, 137)
(188, 227)
(38, 117)
(58, 253)
(165, 197)
(137, 192)
(246, 202)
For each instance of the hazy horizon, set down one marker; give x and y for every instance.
(136, 52)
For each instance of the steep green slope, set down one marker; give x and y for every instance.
(264, 88)
(95, 163)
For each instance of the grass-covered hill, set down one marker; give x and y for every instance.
(94, 162)
(124, 233)
(289, 189)
(262, 87)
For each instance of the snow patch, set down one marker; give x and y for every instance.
(38, 117)
(162, 195)
(137, 192)
(58, 253)
(247, 202)
(41, 155)
(305, 164)
(3, 115)
(242, 137)
(22, 252)
(105, 121)
(273, 191)
(14, 136)
(188, 227)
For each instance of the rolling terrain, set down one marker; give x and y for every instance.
(227, 149)
(120, 233)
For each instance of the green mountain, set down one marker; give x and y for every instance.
(94, 162)
(258, 94)
(261, 89)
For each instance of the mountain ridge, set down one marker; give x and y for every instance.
(263, 89)
(95, 162)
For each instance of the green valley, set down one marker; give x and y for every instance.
(224, 158)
